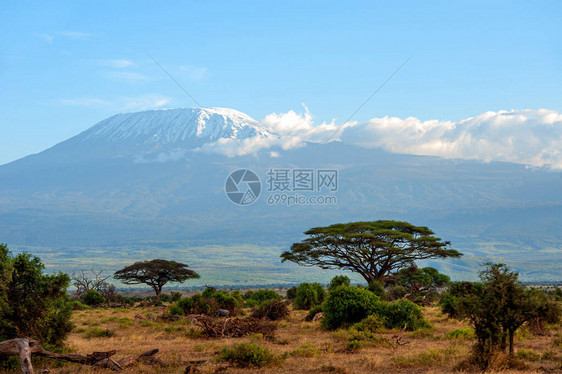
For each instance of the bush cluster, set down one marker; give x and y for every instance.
(347, 305)
(208, 302)
(309, 295)
(257, 298)
(338, 280)
(92, 298)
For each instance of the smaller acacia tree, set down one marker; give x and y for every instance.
(497, 308)
(156, 274)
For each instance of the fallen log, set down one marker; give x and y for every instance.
(25, 348)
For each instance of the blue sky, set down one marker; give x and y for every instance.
(66, 65)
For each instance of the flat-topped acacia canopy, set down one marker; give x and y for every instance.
(155, 273)
(374, 249)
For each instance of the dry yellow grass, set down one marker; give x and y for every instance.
(304, 346)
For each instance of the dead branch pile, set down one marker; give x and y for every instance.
(234, 327)
(273, 311)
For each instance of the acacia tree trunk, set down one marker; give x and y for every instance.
(158, 290)
(511, 334)
(503, 342)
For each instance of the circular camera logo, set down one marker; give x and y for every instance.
(243, 187)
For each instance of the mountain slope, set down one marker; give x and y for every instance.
(117, 184)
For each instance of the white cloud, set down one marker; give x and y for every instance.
(295, 129)
(116, 63)
(288, 131)
(531, 137)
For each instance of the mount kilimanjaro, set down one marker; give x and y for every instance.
(140, 184)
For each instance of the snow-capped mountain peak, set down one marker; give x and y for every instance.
(175, 126)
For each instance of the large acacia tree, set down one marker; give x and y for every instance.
(376, 250)
(155, 273)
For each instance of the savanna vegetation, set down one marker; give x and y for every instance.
(404, 318)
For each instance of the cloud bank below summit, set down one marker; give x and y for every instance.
(530, 137)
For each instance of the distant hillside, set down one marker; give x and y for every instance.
(142, 179)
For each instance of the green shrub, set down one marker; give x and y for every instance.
(32, 303)
(175, 310)
(320, 292)
(263, 295)
(58, 322)
(203, 305)
(372, 323)
(449, 300)
(175, 296)
(309, 295)
(185, 304)
(347, 305)
(400, 314)
(292, 293)
(226, 301)
(93, 297)
(339, 280)
(77, 305)
(377, 288)
(126, 300)
(396, 292)
(197, 304)
(247, 355)
(248, 294)
(208, 292)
